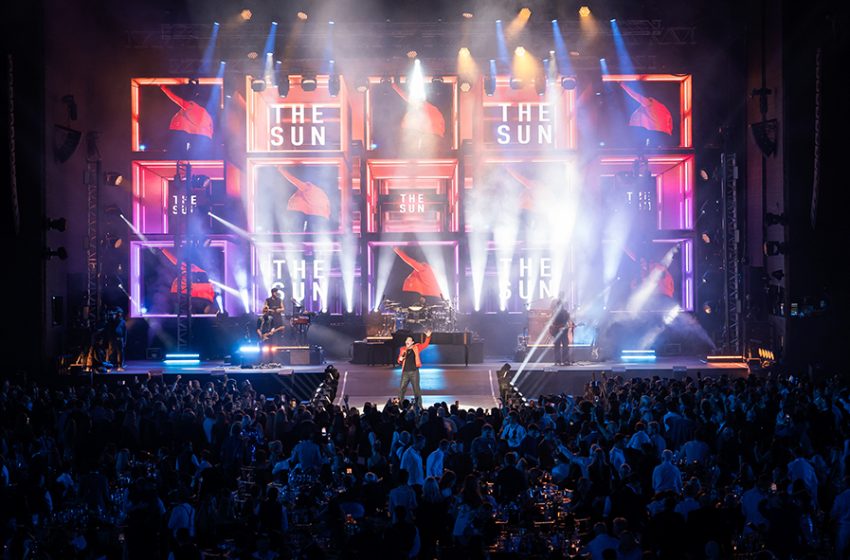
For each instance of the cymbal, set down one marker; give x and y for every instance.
(416, 308)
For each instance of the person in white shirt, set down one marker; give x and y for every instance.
(434, 463)
(411, 461)
(750, 501)
(639, 438)
(561, 469)
(690, 502)
(182, 516)
(695, 451)
(656, 439)
(402, 495)
(802, 469)
(513, 432)
(667, 476)
(616, 456)
(601, 542)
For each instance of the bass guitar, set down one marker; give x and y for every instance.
(266, 336)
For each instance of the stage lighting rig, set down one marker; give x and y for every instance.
(771, 219)
(308, 82)
(258, 85)
(57, 224)
(113, 210)
(774, 248)
(540, 84)
(568, 83)
(333, 85)
(114, 178)
(61, 253)
(282, 79)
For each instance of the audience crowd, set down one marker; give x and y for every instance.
(700, 468)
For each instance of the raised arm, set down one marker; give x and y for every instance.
(524, 181)
(416, 265)
(635, 95)
(174, 97)
(401, 92)
(170, 256)
(299, 184)
(424, 344)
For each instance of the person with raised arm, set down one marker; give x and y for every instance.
(410, 361)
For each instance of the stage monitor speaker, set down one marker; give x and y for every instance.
(299, 356)
(317, 355)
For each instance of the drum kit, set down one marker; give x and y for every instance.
(417, 318)
(300, 322)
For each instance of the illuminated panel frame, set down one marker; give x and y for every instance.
(370, 262)
(685, 81)
(389, 169)
(150, 190)
(261, 288)
(342, 179)
(521, 249)
(497, 159)
(296, 95)
(674, 179)
(686, 247)
(566, 135)
(453, 80)
(136, 83)
(231, 304)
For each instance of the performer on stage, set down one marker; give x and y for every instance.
(559, 329)
(410, 362)
(116, 338)
(271, 322)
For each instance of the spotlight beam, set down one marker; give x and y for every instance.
(209, 50)
(232, 227)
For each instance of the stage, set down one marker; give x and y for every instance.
(473, 386)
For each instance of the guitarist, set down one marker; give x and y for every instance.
(560, 328)
(271, 322)
(274, 307)
(266, 329)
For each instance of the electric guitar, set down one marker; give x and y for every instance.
(271, 333)
(555, 330)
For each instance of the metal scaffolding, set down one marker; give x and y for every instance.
(92, 181)
(733, 306)
(183, 247)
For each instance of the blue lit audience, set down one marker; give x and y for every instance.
(640, 468)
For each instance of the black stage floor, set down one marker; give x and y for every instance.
(474, 385)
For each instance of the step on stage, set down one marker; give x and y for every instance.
(474, 386)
